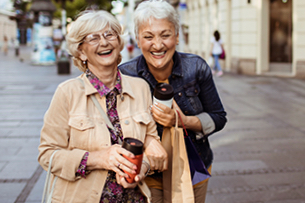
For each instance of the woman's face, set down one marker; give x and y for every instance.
(102, 52)
(158, 41)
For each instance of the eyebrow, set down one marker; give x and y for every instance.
(163, 31)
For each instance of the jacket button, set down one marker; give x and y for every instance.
(126, 122)
(179, 94)
(196, 91)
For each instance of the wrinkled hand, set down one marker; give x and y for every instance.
(165, 115)
(122, 181)
(110, 158)
(156, 154)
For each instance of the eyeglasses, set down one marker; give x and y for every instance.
(94, 39)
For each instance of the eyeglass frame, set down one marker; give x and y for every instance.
(100, 34)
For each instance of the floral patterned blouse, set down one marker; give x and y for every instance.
(113, 192)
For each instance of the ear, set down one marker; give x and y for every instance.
(177, 39)
(138, 42)
(82, 55)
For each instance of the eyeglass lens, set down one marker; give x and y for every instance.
(95, 38)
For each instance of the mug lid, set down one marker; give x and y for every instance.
(133, 145)
(163, 91)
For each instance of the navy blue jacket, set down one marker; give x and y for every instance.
(194, 92)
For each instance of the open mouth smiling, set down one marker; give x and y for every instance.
(102, 53)
(158, 53)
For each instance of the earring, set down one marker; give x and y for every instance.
(84, 62)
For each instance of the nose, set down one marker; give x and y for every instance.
(158, 43)
(103, 41)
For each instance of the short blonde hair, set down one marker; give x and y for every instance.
(86, 23)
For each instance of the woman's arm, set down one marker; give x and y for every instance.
(155, 154)
(211, 120)
(55, 135)
(167, 117)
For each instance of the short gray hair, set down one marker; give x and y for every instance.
(158, 9)
(86, 23)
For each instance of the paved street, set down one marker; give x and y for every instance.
(258, 157)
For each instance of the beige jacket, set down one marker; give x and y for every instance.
(73, 125)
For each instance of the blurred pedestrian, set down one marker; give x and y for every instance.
(5, 45)
(16, 46)
(216, 51)
(195, 95)
(130, 46)
(89, 162)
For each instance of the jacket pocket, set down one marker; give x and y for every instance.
(141, 121)
(192, 91)
(143, 118)
(81, 131)
(136, 125)
(81, 122)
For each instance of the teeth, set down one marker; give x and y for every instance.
(105, 52)
(158, 53)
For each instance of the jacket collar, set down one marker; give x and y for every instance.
(126, 87)
(142, 67)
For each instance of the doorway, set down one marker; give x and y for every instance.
(280, 39)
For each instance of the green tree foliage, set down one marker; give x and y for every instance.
(74, 7)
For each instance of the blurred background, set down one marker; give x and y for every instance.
(261, 37)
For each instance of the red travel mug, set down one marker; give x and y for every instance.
(135, 146)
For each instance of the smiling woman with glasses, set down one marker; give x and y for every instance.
(94, 39)
(89, 117)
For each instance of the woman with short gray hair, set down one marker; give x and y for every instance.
(195, 95)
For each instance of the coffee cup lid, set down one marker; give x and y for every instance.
(133, 145)
(163, 91)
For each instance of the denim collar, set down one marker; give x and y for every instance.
(143, 70)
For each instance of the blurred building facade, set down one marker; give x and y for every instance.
(8, 26)
(262, 37)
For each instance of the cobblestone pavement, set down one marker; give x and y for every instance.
(258, 157)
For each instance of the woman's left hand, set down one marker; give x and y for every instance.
(122, 181)
(165, 115)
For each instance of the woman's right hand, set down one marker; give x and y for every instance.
(110, 158)
(156, 154)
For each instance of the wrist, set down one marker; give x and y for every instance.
(147, 167)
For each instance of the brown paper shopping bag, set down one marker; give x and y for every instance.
(177, 182)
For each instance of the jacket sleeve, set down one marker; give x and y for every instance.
(151, 127)
(213, 118)
(55, 136)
